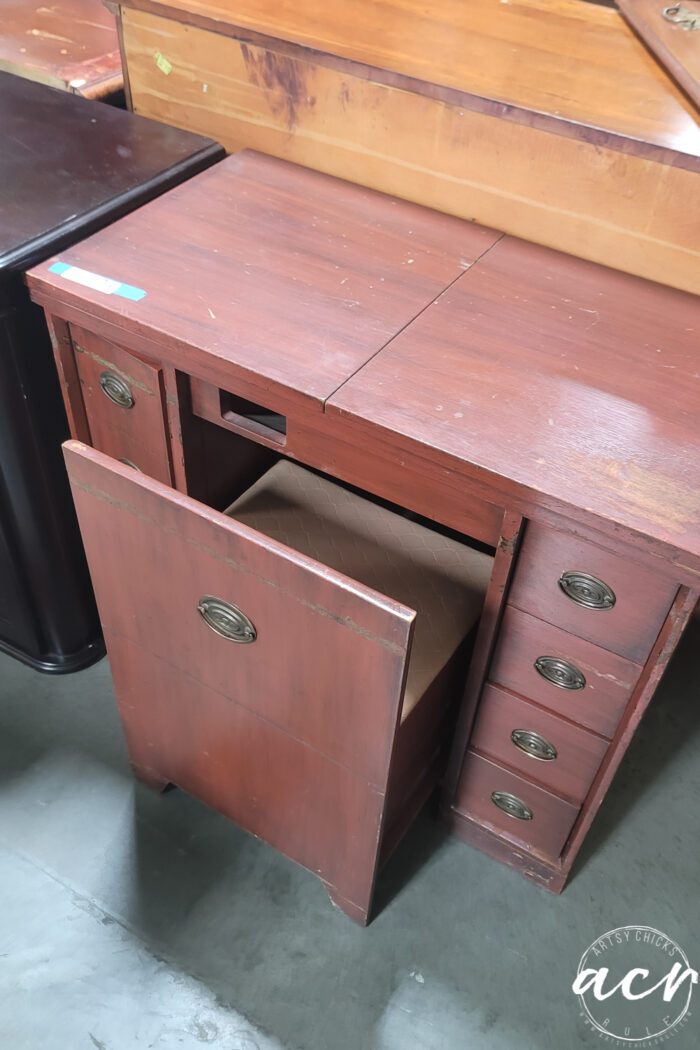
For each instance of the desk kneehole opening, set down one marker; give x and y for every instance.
(443, 579)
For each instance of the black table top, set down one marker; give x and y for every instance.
(69, 166)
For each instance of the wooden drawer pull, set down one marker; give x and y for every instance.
(511, 804)
(226, 619)
(534, 745)
(116, 390)
(559, 672)
(586, 590)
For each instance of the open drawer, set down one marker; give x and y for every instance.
(255, 674)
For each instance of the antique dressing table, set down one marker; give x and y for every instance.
(311, 422)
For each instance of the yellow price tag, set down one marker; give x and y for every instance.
(163, 65)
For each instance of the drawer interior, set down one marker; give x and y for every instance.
(440, 577)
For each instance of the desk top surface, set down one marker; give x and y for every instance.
(72, 45)
(566, 378)
(275, 270)
(577, 63)
(556, 379)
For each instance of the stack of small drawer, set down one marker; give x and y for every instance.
(577, 630)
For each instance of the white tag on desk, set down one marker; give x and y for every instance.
(91, 280)
(97, 282)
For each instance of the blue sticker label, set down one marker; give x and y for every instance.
(98, 283)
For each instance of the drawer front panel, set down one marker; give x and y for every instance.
(561, 579)
(327, 660)
(314, 810)
(124, 404)
(526, 643)
(551, 818)
(558, 755)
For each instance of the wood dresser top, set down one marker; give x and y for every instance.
(72, 45)
(574, 65)
(274, 271)
(551, 379)
(579, 383)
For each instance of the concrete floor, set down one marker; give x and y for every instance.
(129, 920)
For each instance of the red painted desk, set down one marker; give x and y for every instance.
(537, 408)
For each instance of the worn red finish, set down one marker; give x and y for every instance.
(538, 404)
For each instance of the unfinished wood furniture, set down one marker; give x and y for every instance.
(72, 45)
(548, 119)
(670, 31)
(67, 167)
(283, 332)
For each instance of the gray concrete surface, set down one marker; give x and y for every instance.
(130, 920)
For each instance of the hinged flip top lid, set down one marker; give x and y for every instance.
(263, 271)
(563, 383)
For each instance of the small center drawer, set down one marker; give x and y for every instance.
(550, 750)
(514, 806)
(569, 675)
(589, 592)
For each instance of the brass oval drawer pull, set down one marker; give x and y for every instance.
(587, 590)
(226, 619)
(559, 672)
(511, 804)
(116, 390)
(534, 745)
(128, 463)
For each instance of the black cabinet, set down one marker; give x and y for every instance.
(67, 167)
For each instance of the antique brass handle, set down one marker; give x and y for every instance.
(559, 672)
(681, 17)
(116, 390)
(128, 463)
(586, 590)
(511, 804)
(534, 745)
(226, 619)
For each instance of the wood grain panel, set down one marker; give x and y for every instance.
(570, 62)
(552, 817)
(609, 678)
(341, 694)
(72, 46)
(287, 279)
(582, 197)
(313, 810)
(139, 433)
(642, 601)
(579, 753)
(582, 380)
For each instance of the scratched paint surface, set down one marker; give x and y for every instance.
(72, 44)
